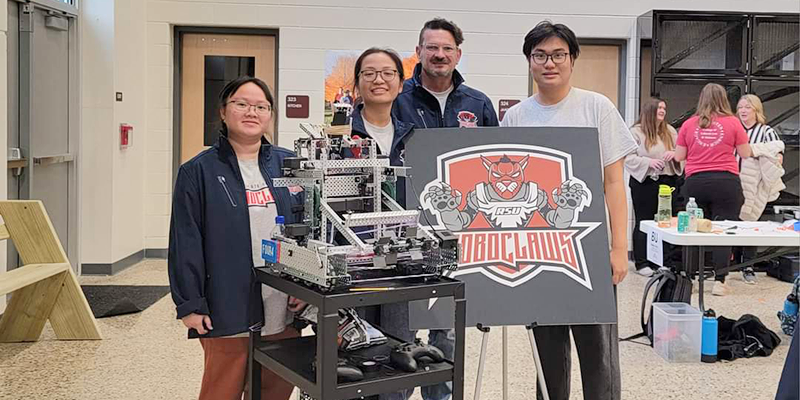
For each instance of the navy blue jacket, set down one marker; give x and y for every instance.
(416, 105)
(402, 131)
(210, 259)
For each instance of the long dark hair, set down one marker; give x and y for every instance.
(398, 62)
(234, 85)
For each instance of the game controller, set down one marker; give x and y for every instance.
(405, 355)
(345, 371)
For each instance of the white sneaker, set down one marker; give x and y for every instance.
(646, 272)
(720, 289)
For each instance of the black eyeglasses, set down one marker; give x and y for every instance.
(541, 58)
(387, 75)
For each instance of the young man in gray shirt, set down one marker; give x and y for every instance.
(551, 50)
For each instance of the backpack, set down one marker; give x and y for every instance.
(670, 287)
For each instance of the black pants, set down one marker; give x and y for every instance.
(720, 196)
(645, 205)
(598, 353)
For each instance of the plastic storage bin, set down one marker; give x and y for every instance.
(677, 332)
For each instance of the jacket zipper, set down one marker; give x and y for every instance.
(221, 180)
(422, 117)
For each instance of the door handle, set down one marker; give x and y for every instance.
(49, 160)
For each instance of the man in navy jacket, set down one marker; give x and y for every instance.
(436, 96)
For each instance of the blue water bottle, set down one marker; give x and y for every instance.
(790, 305)
(708, 352)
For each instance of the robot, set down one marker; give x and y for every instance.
(350, 224)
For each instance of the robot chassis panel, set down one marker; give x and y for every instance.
(342, 177)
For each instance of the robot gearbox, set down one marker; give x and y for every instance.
(353, 229)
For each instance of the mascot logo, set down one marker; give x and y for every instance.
(515, 210)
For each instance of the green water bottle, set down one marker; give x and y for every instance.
(664, 213)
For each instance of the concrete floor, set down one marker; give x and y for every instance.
(147, 355)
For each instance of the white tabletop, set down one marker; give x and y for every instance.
(762, 233)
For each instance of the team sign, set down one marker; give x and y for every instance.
(524, 216)
(511, 229)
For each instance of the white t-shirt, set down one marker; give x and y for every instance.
(441, 97)
(263, 211)
(581, 108)
(383, 135)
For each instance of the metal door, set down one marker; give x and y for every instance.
(43, 111)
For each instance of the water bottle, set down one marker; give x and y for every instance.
(790, 305)
(708, 352)
(692, 209)
(664, 213)
(278, 229)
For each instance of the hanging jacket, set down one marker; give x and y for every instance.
(761, 178)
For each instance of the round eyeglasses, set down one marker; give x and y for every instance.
(243, 107)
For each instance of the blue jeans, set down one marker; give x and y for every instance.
(394, 321)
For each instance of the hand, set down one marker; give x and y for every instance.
(668, 156)
(657, 164)
(198, 322)
(296, 305)
(619, 265)
(780, 159)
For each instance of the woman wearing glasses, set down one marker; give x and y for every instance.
(223, 205)
(379, 79)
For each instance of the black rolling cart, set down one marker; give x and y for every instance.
(292, 359)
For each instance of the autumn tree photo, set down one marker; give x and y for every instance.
(341, 76)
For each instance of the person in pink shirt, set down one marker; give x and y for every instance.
(707, 142)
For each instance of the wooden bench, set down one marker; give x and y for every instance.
(45, 286)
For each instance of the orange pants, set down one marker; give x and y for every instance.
(225, 369)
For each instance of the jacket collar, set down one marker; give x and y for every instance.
(417, 77)
(401, 129)
(226, 151)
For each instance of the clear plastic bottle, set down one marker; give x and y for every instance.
(278, 229)
(692, 209)
(664, 213)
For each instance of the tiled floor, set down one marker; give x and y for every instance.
(147, 355)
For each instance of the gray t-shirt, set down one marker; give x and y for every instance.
(263, 211)
(581, 108)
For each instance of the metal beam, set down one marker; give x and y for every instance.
(699, 45)
(778, 56)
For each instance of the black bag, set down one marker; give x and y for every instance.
(745, 338)
(670, 287)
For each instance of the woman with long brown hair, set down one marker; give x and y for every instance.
(707, 141)
(652, 165)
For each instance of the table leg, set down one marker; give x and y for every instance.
(458, 359)
(701, 274)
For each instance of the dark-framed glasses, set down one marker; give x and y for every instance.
(387, 75)
(541, 58)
